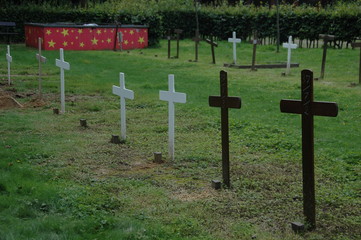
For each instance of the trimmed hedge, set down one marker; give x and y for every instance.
(304, 23)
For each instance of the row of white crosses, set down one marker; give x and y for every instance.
(171, 96)
(41, 59)
(289, 45)
(59, 63)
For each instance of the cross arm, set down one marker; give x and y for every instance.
(62, 64)
(328, 109)
(229, 102)
(122, 92)
(356, 44)
(42, 58)
(327, 37)
(211, 42)
(9, 58)
(172, 96)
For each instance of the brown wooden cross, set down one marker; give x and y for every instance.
(326, 38)
(169, 37)
(358, 45)
(308, 108)
(196, 39)
(255, 41)
(224, 102)
(178, 32)
(213, 44)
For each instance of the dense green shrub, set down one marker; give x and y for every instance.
(304, 23)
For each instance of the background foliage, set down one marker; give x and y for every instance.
(302, 22)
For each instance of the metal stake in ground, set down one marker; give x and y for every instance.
(308, 108)
(196, 39)
(62, 65)
(41, 59)
(326, 38)
(255, 41)
(213, 44)
(171, 97)
(9, 59)
(358, 45)
(289, 46)
(123, 93)
(224, 102)
(178, 32)
(234, 41)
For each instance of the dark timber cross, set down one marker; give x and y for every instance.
(169, 37)
(326, 38)
(178, 32)
(308, 108)
(196, 39)
(213, 44)
(224, 102)
(358, 45)
(255, 41)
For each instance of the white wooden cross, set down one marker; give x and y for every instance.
(62, 65)
(123, 93)
(234, 40)
(171, 97)
(41, 59)
(289, 46)
(9, 59)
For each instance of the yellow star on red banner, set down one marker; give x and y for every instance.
(81, 44)
(65, 32)
(131, 32)
(141, 40)
(109, 40)
(94, 41)
(65, 44)
(99, 32)
(48, 32)
(80, 31)
(126, 42)
(52, 43)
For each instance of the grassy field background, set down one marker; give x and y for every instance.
(61, 181)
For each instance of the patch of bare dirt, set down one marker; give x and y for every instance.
(7, 102)
(36, 102)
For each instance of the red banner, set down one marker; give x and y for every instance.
(85, 38)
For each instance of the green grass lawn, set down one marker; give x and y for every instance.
(61, 181)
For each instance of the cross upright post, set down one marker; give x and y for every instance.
(308, 108)
(123, 93)
(62, 65)
(213, 44)
(41, 59)
(9, 59)
(224, 102)
(196, 39)
(326, 38)
(178, 32)
(255, 42)
(358, 45)
(120, 40)
(171, 96)
(289, 45)
(169, 38)
(234, 41)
